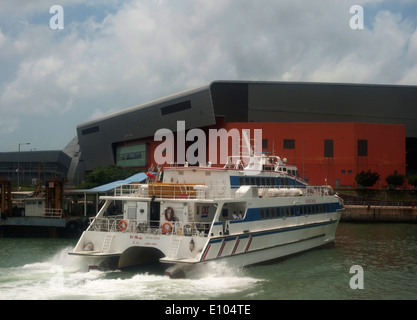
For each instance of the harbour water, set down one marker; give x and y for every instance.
(41, 269)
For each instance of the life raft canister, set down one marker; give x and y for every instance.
(169, 214)
(166, 228)
(122, 225)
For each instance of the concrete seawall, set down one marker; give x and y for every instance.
(354, 213)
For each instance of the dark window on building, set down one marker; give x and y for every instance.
(362, 148)
(90, 130)
(328, 148)
(264, 143)
(176, 107)
(131, 156)
(289, 144)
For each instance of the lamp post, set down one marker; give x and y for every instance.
(18, 163)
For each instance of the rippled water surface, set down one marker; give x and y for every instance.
(387, 253)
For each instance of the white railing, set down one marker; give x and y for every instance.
(193, 191)
(319, 191)
(118, 224)
(175, 191)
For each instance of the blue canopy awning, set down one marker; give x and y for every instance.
(136, 178)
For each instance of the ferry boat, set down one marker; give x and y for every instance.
(188, 216)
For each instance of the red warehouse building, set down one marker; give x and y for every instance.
(330, 131)
(335, 151)
(332, 151)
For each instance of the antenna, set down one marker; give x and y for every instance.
(247, 142)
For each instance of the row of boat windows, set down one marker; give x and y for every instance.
(282, 212)
(265, 181)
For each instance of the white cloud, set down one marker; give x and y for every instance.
(9, 125)
(2, 38)
(142, 50)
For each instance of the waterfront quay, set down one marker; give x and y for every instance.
(379, 213)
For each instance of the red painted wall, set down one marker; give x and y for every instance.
(385, 148)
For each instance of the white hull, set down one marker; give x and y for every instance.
(238, 249)
(251, 249)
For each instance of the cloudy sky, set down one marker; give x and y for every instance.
(114, 54)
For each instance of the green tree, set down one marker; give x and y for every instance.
(366, 179)
(103, 175)
(413, 180)
(395, 180)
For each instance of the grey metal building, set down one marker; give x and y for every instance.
(106, 140)
(26, 167)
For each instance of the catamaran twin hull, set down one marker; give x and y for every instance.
(247, 226)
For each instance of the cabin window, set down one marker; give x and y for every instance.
(268, 213)
(262, 214)
(225, 212)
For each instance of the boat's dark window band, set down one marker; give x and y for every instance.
(298, 210)
(264, 181)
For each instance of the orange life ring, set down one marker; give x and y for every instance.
(166, 228)
(169, 213)
(122, 225)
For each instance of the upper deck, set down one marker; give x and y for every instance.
(262, 177)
